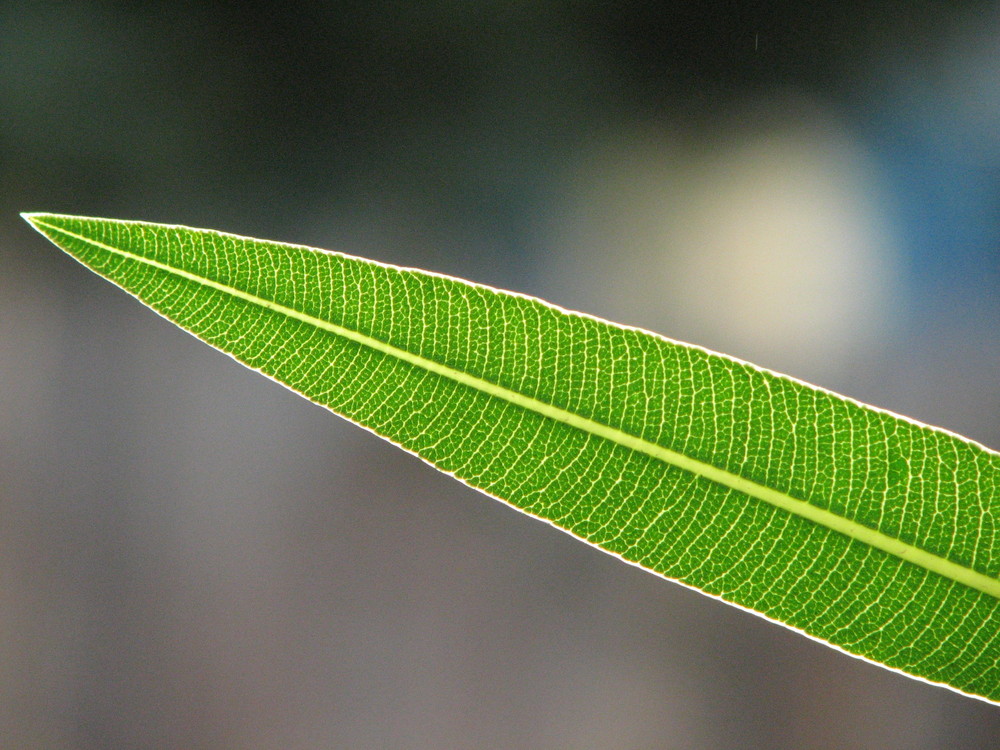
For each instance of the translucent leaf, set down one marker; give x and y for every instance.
(863, 529)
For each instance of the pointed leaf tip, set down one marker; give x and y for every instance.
(37, 218)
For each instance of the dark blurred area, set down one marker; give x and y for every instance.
(191, 556)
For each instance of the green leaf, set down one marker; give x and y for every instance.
(863, 529)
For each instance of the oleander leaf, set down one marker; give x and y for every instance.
(866, 530)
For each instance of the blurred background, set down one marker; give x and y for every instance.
(193, 557)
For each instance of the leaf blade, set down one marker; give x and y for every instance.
(858, 527)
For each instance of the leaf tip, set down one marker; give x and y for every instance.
(48, 225)
(36, 218)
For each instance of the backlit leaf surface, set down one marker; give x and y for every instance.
(858, 527)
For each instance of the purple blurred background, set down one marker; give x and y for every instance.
(191, 556)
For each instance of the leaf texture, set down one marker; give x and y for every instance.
(858, 527)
